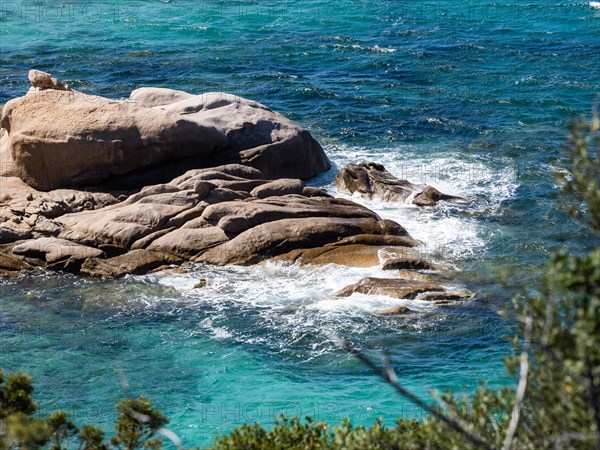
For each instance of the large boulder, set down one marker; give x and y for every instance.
(54, 137)
(372, 180)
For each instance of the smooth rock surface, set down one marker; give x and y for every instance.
(58, 254)
(394, 311)
(391, 287)
(136, 262)
(407, 263)
(52, 137)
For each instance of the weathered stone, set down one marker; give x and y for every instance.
(42, 80)
(189, 243)
(153, 96)
(431, 196)
(278, 187)
(445, 296)
(236, 217)
(349, 254)
(271, 239)
(394, 311)
(407, 264)
(10, 234)
(372, 180)
(58, 254)
(391, 287)
(53, 138)
(11, 265)
(136, 262)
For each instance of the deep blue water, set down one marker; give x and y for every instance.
(472, 97)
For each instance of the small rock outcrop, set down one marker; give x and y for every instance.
(406, 289)
(394, 311)
(391, 287)
(372, 180)
(136, 262)
(56, 137)
(42, 81)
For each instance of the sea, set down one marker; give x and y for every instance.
(472, 97)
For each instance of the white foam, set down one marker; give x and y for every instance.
(294, 301)
(450, 231)
(595, 5)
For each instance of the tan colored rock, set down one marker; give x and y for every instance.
(407, 263)
(10, 234)
(352, 255)
(136, 262)
(347, 252)
(123, 224)
(58, 254)
(11, 266)
(271, 239)
(391, 287)
(277, 188)
(54, 138)
(154, 96)
(372, 180)
(394, 311)
(445, 296)
(189, 243)
(42, 80)
(431, 196)
(236, 217)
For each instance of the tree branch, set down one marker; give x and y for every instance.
(521, 387)
(592, 394)
(388, 375)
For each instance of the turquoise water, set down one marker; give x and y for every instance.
(472, 97)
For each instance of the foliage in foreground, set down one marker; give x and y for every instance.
(556, 403)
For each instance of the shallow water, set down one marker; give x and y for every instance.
(471, 97)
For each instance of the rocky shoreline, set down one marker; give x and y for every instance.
(107, 188)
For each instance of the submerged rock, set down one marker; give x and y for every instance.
(372, 180)
(394, 311)
(408, 263)
(439, 297)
